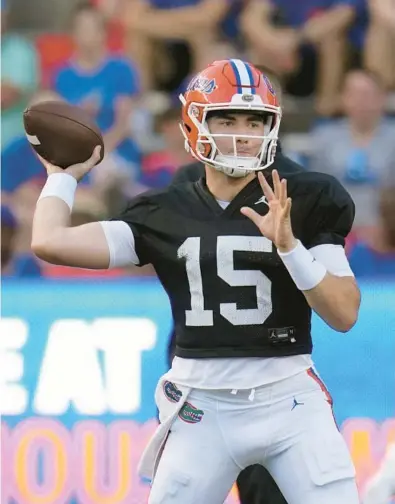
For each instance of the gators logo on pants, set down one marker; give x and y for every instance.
(190, 414)
(171, 392)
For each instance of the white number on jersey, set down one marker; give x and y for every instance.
(226, 246)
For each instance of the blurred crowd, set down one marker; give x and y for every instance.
(126, 61)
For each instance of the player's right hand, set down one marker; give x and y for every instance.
(78, 170)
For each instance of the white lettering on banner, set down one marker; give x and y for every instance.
(71, 372)
(123, 341)
(13, 396)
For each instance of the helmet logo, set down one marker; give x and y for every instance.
(269, 84)
(247, 97)
(202, 84)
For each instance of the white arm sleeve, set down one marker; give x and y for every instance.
(120, 241)
(334, 258)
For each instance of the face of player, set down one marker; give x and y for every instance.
(235, 126)
(363, 99)
(89, 31)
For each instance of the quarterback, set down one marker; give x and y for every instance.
(245, 254)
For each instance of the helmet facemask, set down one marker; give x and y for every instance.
(234, 164)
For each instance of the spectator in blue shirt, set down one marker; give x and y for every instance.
(359, 149)
(374, 256)
(103, 84)
(306, 42)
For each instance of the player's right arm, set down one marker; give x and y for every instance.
(97, 245)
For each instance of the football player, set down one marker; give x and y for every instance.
(255, 485)
(244, 255)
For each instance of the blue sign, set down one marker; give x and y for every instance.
(80, 363)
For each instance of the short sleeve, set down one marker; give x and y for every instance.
(135, 216)
(332, 216)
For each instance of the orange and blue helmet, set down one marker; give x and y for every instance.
(229, 85)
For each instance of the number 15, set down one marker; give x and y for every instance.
(226, 246)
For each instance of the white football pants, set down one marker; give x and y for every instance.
(287, 426)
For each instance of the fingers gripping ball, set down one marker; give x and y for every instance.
(62, 134)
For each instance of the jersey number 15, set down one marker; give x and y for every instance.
(226, 246)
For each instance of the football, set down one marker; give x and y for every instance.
(62, 134)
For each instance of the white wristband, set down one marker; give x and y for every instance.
(304, 269)
(60, 185)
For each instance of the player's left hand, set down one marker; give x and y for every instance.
(276, 224)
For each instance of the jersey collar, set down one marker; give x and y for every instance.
(240, 199)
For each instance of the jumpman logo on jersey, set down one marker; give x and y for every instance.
(296, 403)
(262, 200)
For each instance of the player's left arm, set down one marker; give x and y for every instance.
(336, 299)
(318, 266)
(336, 296)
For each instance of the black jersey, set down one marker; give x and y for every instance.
(230, 294)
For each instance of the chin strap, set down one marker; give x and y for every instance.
(233, 172)
(238, 170)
